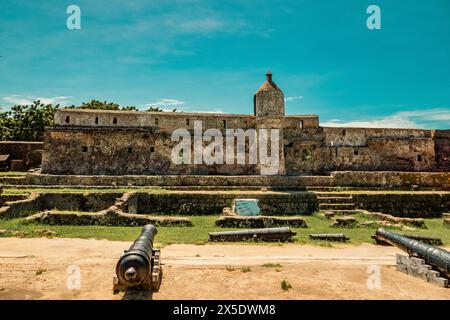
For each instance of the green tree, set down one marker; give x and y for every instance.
(98, 105)
(26, 123)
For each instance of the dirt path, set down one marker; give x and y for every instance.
(37, 269)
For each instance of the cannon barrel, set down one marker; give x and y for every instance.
(135, 265)
(436, 257)
(329, 236)
(267, 234)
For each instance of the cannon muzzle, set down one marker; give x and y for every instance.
(139, 266)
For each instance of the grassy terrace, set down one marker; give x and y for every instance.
(27, 190)
(12, 173)
(198, 234)
(9, 191)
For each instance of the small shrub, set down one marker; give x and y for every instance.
(40, 271)
(285, 285)
(245, 269)
(272, 265)
(230, 268)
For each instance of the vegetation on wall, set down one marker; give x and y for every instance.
(105, 105)
(27, 122)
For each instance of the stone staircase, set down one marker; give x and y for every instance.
(336, 202)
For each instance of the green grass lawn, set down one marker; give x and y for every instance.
(13, 173)
(198, 234)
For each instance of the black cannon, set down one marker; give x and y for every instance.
(267, 234)
(437, 258)
(329, 237)
(139, 267)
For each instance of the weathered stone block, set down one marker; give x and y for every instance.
(447, 222)
(260, 222)
(417, 268)
(345, 222)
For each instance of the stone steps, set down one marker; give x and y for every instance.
(335, 199)
(344, 212)
(336, 206)
(337, 202)
(333, 195)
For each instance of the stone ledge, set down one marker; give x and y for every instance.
(109, 217)
(447, 222)
(260, 222)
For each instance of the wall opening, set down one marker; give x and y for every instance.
(67, 119)
(343, 132)
(187, 122)
(114, 120)
(84, 149)
(156, 121)
(96, 120)
(355, 152)
(224, 123)
(130, 150)
(419, 157)
(152, 149)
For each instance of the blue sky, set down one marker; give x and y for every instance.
(212, 56)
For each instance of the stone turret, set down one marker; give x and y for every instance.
(269, 99)
(269, 112)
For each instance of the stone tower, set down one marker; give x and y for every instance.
(269, 111)
(269, 99)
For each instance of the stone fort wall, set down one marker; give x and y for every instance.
(96, 142)
(90, 142)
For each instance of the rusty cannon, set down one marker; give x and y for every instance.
(267, 234)
(424, 261)
(139, 267)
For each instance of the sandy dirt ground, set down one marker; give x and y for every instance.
(38, 269)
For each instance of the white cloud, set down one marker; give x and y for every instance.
(203, 111)
(205, 25)
(165, 103)
(27, 100)
(403, 119)
(288, 99)
(204, 22)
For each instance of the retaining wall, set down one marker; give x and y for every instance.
(37, 202)
(380, 179)
(203, 203)
(417, 205)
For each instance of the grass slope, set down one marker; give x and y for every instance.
(198, 234)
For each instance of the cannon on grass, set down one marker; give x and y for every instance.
(139, 267)
(424, 261)
(329, 237)
(267, 234)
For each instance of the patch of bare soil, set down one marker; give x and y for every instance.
(38, 269)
